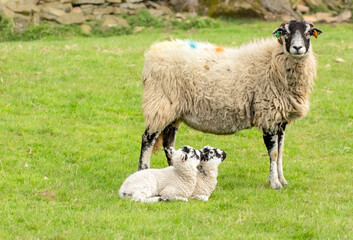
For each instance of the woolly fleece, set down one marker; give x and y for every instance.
(174, 182)
(222, 92)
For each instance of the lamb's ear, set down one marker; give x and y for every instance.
(201, 156)
(204, 156)
(204, 153)
(315, 32)
(170, 150)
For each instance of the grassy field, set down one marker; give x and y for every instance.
(71, 124)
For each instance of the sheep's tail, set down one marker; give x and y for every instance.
(158, 144)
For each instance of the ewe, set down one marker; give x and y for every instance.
(175, 182)
(264, 84)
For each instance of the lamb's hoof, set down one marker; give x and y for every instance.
(276, 185)
(202, 198)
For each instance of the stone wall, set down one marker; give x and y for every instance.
(314, 10)
(23, 13)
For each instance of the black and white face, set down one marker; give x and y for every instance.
(213, 155)
(185, 154)
(295, 36)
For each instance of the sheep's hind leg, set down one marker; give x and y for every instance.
(148, 140)
(169, 134)
(280, 154)
(271, 142)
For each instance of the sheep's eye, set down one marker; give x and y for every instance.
(211, 152)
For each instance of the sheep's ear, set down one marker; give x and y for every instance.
(315, 32)
(278, 32)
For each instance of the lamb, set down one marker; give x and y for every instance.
(208, 172)
(219, 90)
(175, 182)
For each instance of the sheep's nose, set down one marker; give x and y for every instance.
(297, 47)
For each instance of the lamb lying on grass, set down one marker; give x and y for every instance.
(208, 172)
(175, 182)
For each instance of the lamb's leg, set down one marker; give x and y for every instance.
(170, 193)
(165, 199)
(145, 197)
(169, 134)
(148, 140)
(153, 200)
(280, 154)
(202, 198)
(271, 142)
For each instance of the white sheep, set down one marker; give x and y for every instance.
(264, 84)
(208, 172)
(175, 182)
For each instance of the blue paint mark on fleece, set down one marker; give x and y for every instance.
(192, 44)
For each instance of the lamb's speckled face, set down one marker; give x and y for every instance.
(185, 154)
(213, 155)
(295, 36)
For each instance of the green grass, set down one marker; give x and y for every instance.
(71, 124)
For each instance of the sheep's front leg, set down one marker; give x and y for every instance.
(148, 141)
(280, 154)
(271, 142)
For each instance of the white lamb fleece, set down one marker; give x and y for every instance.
(176, 182)
(208, 172)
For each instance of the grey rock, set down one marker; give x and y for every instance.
(138, 29)
(344, 17)
(21, 22)
(5, 12)
(118, 10)
(36, 19)
(87, 8)
(113, 21)
(152, 4)
(113, 1)
(85, 29)
(302, 8)
(25, 7)
(77, 2)
(103, 10)
(134, 1)
(50, 13)
(66, 7)
(132, 6)
(76, 10)
(70, 18)
(280, 7)
(162, 11)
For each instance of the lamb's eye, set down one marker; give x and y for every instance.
(211, 152)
